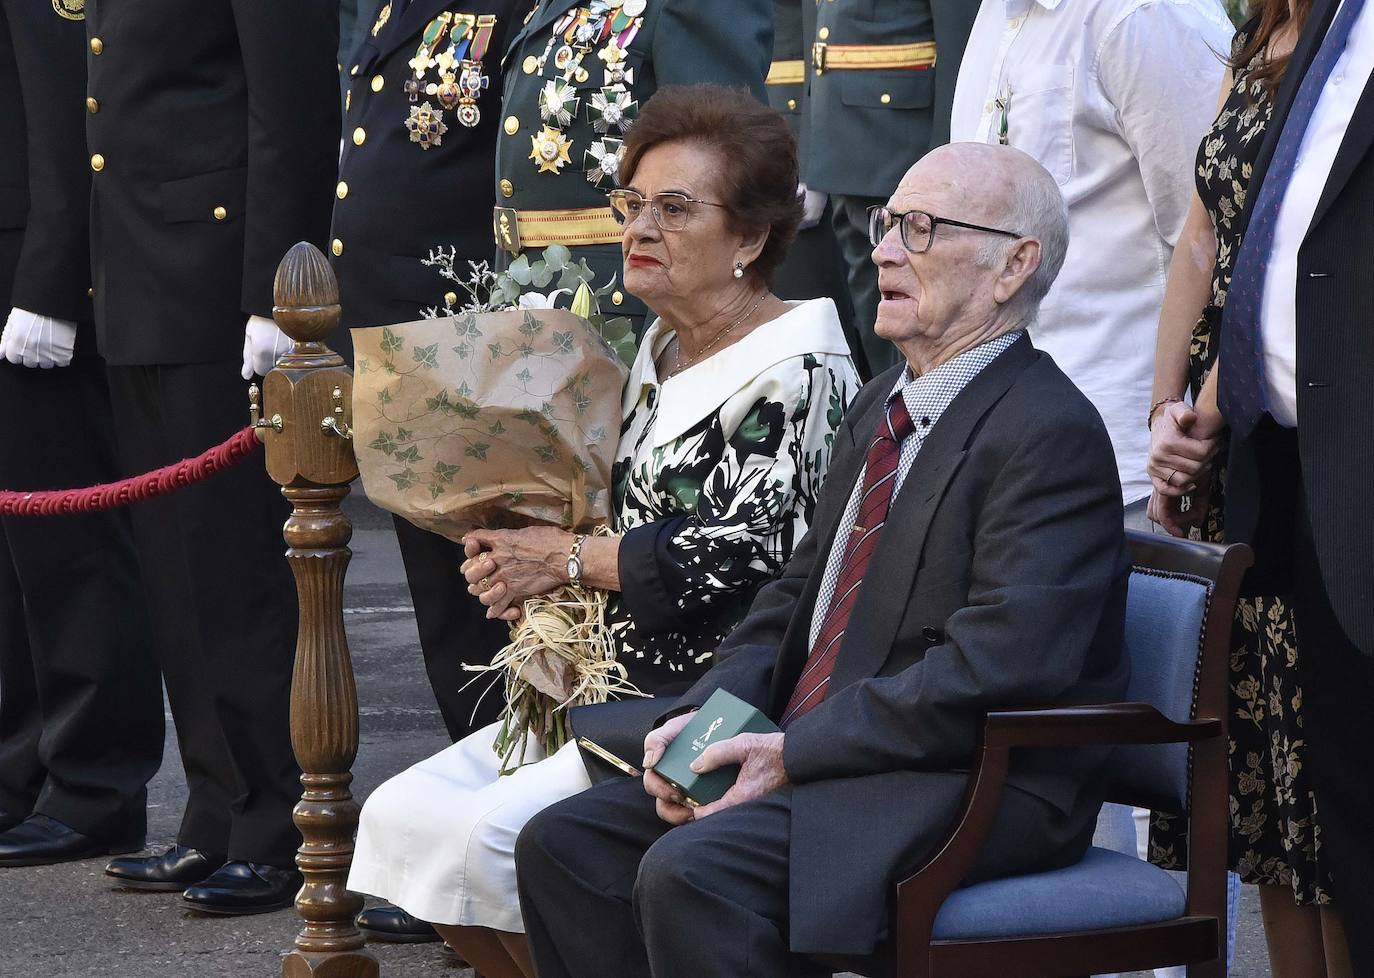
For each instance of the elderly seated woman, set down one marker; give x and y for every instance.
(730, 412)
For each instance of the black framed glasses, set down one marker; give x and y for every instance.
(670, 210)
(918, 227)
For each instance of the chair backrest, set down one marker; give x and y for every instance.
(1178, 642)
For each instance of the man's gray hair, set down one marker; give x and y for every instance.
(1038, 211)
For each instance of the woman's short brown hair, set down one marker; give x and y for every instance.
(757, 154)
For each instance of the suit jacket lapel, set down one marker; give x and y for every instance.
(1359, 135)
(1313, 32)
(884, 599)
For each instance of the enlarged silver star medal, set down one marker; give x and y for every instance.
(602, 162)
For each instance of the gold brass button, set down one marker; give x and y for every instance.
(507, 188)
(531, 65)
(792, 104)
(450, 298)
(823, 33)
(617, 297)
(97, 46)
(220, 213)
(92, 106)
(341, 190)
(512, 125)
(336, 247)
(378, 82)
(359, 136)
(885, 98)
(353, 72)
(90, 293)
(348, 100)
(97, 162)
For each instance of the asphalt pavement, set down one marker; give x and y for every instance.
(66, 921)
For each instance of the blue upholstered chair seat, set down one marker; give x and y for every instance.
(1106, 889)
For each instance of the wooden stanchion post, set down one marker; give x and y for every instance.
(310, 454)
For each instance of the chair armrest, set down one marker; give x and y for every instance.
(1092, 726)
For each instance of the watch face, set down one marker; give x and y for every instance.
(574, 568)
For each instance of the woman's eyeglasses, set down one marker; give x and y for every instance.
(670, 210)
(918, 227)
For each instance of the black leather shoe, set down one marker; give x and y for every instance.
(392, 925)
(166, 872)
(42, 841)
(240, 888)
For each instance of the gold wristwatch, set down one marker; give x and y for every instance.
(575, 559)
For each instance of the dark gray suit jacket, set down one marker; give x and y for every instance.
(1000, 580)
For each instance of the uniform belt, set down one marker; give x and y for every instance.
(517, 230)
(786, 73)
(871, 57)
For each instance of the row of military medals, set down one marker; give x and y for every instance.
(459, 78)
(609, 26)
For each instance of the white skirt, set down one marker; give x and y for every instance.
(438, 840)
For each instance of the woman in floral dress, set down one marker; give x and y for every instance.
(1275, 832)
(729, 413)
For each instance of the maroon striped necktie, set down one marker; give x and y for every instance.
(880, 476)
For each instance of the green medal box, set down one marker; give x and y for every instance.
(720, 718)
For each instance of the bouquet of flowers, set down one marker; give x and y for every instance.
(504, 411)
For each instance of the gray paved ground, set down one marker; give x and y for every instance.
(64, 921)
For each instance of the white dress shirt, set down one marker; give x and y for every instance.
(1325, 133)
(1112, 97)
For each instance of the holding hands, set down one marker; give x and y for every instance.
(1183, 443)
(504, 567)
(758, 755)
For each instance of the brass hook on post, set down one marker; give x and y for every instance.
(334, 424)
(255, 414)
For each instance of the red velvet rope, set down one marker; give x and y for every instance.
(156, 483)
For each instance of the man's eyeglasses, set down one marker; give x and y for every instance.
(670, 210)
(918, 227)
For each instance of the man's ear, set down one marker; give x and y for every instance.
(1021, 263)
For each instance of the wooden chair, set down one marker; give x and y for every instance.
(1110, 912)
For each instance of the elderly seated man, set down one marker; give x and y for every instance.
(967, 553)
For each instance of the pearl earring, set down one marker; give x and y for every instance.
(739, 269)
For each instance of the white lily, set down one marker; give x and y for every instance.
(536, 300)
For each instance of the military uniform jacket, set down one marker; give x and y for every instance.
(420, 124)
(861, 108)
(44, 182)
(786, 82)
(576, 75)
(213, 131)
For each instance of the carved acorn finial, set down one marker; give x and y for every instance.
(305, 295)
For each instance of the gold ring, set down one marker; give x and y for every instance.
(486, 584)
(1170, 481)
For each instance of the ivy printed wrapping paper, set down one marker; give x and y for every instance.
(488, 419)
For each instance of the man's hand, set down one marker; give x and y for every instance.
(1183, 443)
(263, 345)
(813, 206)
(761, 771)
(668, 801)
(31, 340)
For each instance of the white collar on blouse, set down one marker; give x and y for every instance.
(809, 326)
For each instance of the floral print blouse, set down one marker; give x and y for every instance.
(716, 481)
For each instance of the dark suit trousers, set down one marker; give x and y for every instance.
(80, 700)
(223, 603)
(602, 879)
(454, 629)
(851, 230)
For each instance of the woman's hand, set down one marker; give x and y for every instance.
(504, 567)
(1183, 442)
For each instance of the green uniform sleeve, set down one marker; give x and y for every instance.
(729, 42)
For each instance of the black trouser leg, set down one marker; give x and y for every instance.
(21, 775)
(97, 687)
(815, 268)
(224, 601)
(1338, 717)
(602, 879)
(851, 230)
(454, 629)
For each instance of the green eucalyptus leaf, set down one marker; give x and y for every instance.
(557, 256)
(541, 276)
(520, 271)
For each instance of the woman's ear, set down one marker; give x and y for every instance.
(751, 244)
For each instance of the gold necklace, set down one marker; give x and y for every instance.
(713, 341)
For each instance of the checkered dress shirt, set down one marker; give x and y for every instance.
(927, 397)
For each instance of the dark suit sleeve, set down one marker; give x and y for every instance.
(728, 42)
(293, 132)
(1048, 551)
(953, 23)
(53, 271)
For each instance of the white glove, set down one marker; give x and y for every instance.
(32, 340)
(813, 206)
(263, 344)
